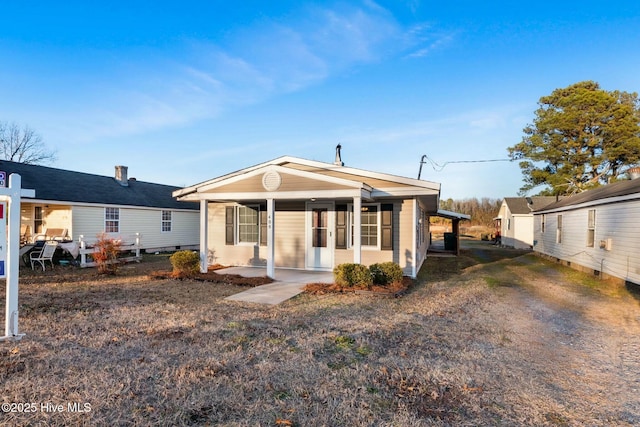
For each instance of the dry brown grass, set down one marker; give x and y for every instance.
(507, 342)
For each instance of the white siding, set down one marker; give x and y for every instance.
(89, 222)
(618, 222)
(221, 253)
(520, 236)
(290, 234)
(401, 237)
(290, 239)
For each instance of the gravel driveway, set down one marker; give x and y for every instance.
(578, 344)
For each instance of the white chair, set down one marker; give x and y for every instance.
(44, 254)
(59, 234)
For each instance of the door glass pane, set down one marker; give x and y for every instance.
(319, 227)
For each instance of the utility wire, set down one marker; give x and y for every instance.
(438, 168)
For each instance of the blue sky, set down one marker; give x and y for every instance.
(181, 92)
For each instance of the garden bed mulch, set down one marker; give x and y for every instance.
(393, 290)
(212, 276)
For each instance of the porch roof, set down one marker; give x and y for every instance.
(294, 178)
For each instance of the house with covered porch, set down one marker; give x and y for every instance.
(304, 214)
(70, 206)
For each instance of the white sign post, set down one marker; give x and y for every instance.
(11, 249)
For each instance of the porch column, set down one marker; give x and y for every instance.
(271, 268)
(204, 232)
(357, 230)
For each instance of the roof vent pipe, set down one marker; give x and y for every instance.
(634, 172)
(338, 161)
(121, 175)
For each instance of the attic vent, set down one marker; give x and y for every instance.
(271, 181)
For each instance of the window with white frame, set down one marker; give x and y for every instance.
(591, 228)
(369, 225)
(167, 221)
(248, 224)
(559, 230)
(112, 220)
(543, 223)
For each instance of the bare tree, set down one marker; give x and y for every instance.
(23, 145)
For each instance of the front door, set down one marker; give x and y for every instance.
(320, 236)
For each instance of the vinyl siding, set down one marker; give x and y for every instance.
(616, 221)
(402, 241)
(519, 235)
(336, 173)
(290, 235)
(230, 255)
(289, 225)
(89, 222)
(289, 183)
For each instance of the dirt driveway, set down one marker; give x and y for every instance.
(575, 338)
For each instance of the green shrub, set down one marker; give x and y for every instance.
(385, 273)
(185, 263)
(352, 275)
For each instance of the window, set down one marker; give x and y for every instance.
(248, 224)
(112, 220)
(245, 224)
(559, 230)
(166, 221)
(376, 226)
(369, 226)
(508, 223)
(543, 223)
(591, 228)
(38, 219)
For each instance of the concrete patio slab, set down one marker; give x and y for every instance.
(287, 284)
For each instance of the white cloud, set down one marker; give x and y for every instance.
(149, 90)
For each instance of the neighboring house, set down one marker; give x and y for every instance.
(82, 204)
(597, 231)
(299, 214)
(515, 220)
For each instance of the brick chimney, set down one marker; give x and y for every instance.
(121, 175)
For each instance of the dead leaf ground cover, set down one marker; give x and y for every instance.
(508, 341)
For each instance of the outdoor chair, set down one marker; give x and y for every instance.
(44, 254)
(59, 234)
(25, 234)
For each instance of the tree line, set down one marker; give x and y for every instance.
(482, 211)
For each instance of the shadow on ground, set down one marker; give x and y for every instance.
(472, 252)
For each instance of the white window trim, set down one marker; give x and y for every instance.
(117, 221)
(163, 221)
(591, 228)
(559, 225)
(236, 232)
(350, 227)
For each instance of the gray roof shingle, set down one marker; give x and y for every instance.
(79, 187)
(519, 206)
(616, 189)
